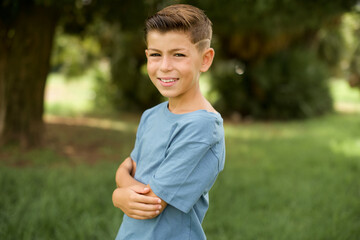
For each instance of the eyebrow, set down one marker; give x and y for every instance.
(172, 50)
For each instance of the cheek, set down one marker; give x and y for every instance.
(150, 68)
(189, 70)
(185, 67)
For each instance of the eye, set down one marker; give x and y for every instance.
(179, 55)
(154, 55)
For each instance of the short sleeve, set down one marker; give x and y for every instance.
(189, 168)
(135, 152)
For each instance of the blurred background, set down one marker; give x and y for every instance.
(286, 79)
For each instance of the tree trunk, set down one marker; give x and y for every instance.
(25, 50)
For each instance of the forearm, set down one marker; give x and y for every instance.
(125, 178)
(134, 198)
(125, 174)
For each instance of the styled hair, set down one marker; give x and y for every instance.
(185, 18)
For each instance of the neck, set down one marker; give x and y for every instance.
(190, 103)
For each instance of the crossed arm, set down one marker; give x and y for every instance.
(134, 198)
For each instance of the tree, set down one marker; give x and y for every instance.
(26, 32)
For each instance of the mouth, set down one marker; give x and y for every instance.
(168, 82)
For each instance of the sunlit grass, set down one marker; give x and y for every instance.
(346, 99)
(342, 92)
(69, 97)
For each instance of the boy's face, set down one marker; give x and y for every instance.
(174, 64)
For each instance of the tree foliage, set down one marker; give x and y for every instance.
(285, 86)
(254, 36)
(245, 34)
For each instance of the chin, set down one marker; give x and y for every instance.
(168, 94)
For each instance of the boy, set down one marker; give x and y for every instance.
(179, 150)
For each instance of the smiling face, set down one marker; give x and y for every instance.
(175, 63)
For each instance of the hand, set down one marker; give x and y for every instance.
(133, 202)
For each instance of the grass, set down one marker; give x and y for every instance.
(343, 93)
(282, 180)
(57, 203)
(289, 181)
(296, 180)
(346, 99)
(69, 97)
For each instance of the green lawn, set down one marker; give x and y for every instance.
(296, 180)
(289, 181)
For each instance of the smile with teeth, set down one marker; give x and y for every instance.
(168, 80)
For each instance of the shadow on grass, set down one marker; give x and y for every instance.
(76, 140)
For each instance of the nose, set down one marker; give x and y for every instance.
(166, 64)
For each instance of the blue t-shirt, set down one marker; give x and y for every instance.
(180, 156)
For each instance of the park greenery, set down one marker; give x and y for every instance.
(273, 61)
(286, 79)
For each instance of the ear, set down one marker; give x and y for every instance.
(147, 53)
(207, 59)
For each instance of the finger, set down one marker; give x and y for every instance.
(140, 189)
(148, 199)
(136, 197)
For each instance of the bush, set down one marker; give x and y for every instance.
(289, 84)
(73, 55)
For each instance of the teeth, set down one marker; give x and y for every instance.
(167, 80)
